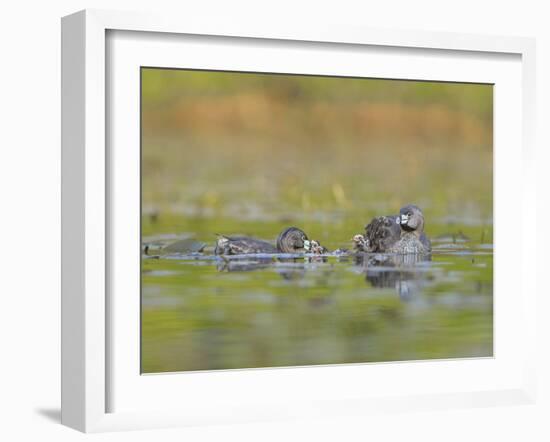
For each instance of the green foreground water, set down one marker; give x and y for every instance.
(202, 312)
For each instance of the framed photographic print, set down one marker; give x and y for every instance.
(270, 223)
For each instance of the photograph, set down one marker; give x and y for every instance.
(292, 220)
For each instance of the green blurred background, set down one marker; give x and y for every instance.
(247, 153)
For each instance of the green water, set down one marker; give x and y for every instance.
(200, 312)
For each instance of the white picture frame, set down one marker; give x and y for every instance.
(87, 319)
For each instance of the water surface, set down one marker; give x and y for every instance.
(204, 312)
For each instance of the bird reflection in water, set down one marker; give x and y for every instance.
(291, 269)
(295, 268)
(243, 264)
(404, 273)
